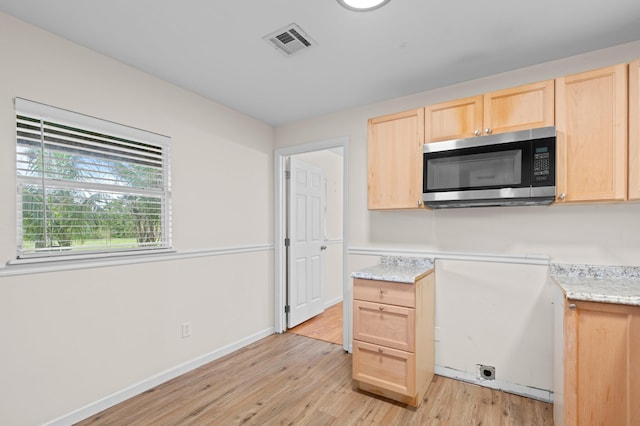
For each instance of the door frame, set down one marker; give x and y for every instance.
(279, 234)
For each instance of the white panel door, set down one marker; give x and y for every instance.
(306, 237)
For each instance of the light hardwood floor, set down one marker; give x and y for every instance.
(288, 379)
(327, 326)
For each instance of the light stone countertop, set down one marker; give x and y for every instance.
(398, 269)
(609, 284)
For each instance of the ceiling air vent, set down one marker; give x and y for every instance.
(289, 40)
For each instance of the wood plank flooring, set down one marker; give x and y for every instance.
(288, 379)
(327, 326)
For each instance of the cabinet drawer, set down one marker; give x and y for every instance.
(384, 367)
(386, 325)
(391, 293)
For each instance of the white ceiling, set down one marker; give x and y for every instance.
(215, 47)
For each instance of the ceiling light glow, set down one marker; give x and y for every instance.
(363, 5)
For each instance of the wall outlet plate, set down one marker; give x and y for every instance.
(186, 329)
(486, 372)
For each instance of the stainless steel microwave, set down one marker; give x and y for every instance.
(507, 169)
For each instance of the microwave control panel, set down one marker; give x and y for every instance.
(542, 164)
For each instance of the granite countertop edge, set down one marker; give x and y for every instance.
(595, 283)
(400, 269)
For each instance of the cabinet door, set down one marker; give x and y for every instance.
(591, 124)
(602, 370)
(634, 130)
(386, 325)
(384, 367)
(457, 119)
(519, 108)
(388, 292)
(395, 160)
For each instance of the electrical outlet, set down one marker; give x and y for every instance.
(486, 372)
(437, 334)
(186, 329)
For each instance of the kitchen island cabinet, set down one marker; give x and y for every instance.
(591, 125)
(634, 130)
(395, 160)
(393, 332)
(520, 108)
(598, 377)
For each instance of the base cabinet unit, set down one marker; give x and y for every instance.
(601, 364)
(591, 127)
(395, 160)
(393, 332)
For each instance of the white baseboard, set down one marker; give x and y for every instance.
(136, 389)
(330, 303)
(528, 391)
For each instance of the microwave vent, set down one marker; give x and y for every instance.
(289, 40)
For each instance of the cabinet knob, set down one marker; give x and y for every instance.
(381, 308)
(562, 196)
(419, 203)
(381, 291)
(572, 306)
(380, 350)
(488, 130)
(477, 132)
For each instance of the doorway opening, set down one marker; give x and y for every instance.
(332, 157)
(326, 327)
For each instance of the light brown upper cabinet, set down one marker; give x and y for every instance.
(591, 125)
(457, 119)
(395, 160)
(634, 130)
(519, 108)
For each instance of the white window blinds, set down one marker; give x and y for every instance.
(87, 185)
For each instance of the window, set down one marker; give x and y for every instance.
(88, 186)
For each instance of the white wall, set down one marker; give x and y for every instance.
(596, 234)
(495, 314)
(68, 339)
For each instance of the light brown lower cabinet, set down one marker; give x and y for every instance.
(393, 332)
(601, 364)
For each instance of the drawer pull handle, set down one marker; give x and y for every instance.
(380, 350)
